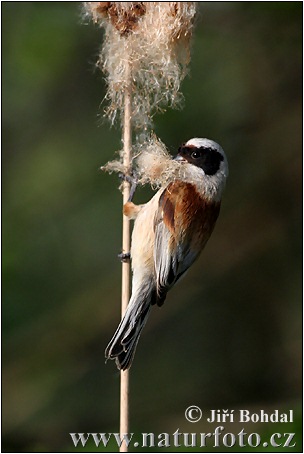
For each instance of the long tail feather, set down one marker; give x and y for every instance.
(124, 342)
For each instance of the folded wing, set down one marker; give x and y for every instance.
(183, 225)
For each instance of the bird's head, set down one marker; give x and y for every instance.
(208, 168)
(205, 154)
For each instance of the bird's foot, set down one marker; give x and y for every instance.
(124, 257)
(133, 180)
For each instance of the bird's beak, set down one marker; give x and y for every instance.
(179, 158)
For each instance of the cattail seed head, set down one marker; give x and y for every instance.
(152, 41)
(146, 51)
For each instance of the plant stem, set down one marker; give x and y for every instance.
(126, 243)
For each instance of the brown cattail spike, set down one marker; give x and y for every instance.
(125, 18)
(122, 15)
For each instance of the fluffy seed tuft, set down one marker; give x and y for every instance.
(152, 40)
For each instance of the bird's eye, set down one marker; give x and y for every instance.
(195, 155)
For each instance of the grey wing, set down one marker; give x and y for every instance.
(172, 255)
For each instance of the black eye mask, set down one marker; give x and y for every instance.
(207, 159)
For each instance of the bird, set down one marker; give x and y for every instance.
(169, 233)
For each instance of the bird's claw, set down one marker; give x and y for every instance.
(130, 178)
(133, 180)
(124, 257)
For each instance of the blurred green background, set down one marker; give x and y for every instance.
(229, 336)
